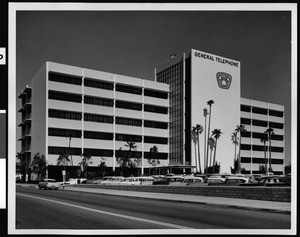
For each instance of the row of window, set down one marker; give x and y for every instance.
(103, 152)
(261, 123)
(75, 80)
(261, 160)
(261, 148)
(275, 113)
(105, 119)
(261, 135)
(106, 102)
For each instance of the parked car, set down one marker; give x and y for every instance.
(275, 181)
(236, 180)
(143, 180)
(192, 180)
(160, 180)
(48, 184)
(112, 180)
(175, 180)
(215, 180)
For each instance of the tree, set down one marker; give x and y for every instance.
(86, 159)
(102, 166)
(63, 160)
(211, 144)
(235, 141)
(216, 133)
(153, 160)
(270, 133)
(210, 103)
(264, 138)
(205, 144)
(125, 157)
(262, 169)
(199, 130)
(23, 165)
(239, 129)
(38, 166)
(195, 138)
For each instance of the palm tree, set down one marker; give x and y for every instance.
(199, 130)
(205, 147)
(195, 138)
(216, 133)
(239, 129)
(63, 160)
(212, 144)
(85, 161)
(235, 141)
(153, 154)
(264, 138)
(210, 103)
(270, 132)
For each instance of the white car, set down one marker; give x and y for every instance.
(137, 181)
(115, 180)
(190, 180)
(48, 184)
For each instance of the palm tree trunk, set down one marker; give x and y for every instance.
(215, 156)
(239, 162)
(196, 156)
(205, 157)
(208, 128)
(270, 159)
(199, 156)
(265, 153)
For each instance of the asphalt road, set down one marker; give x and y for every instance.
(62, 209)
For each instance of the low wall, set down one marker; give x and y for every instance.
(278, 194)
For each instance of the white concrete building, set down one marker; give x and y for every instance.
(100, 111)
(197, 77)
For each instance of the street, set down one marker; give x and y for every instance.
(62, 209)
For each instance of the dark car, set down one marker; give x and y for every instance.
(161, 180)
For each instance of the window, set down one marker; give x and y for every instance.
(259, 123)
(258, 160)
(127, 121)
(64, 132)
(277, 137)
(98, 84)
(277, 161)
(245, 108)
(275, 125)
(154, 124)
(64, 114)
(76, 80)
(98, 101)
(55, 95)
(258, 148)
(98, 135)
(245, 159)
(54, 150)
(245, 147)
(246, 134)
(129, 89)
(128, 137)
(98, 118)
(277, 149)
(156, 94)
(128, 105)
(98, 152)
(245, 121)
(257, 135)
(157, 140)
(275, 113)
(124, 153)
(159, 155)
(156, 109)
(259, 110)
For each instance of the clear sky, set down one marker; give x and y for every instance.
(134, 43)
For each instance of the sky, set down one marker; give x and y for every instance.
(134, 43)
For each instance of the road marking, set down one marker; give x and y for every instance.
(110, 213)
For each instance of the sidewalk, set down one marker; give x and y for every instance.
(281, 207)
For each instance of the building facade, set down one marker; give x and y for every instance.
(198, 77)
(258, 116)
(72, 110)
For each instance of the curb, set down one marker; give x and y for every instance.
(190, 201)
